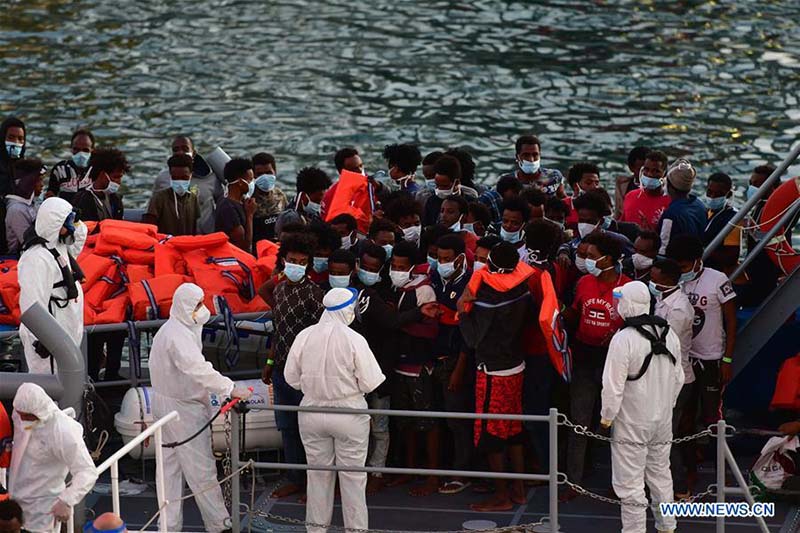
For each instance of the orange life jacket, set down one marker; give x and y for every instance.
(787, 388)
(113, 311)
(94, 267)
(780, 251)
(6, 434)
(152, 298)
(352, 197)
(9, 293)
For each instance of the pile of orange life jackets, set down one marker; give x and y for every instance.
(131, 272)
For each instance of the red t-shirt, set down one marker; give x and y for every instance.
(572, 217)
(644, 209)
(594, 301)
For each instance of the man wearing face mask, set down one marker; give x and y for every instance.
(209, 186)
(428, 165)
(718, 194)
(327, 241)
(642, 378)
(645, 206)
(383, 232)
(448, 183)
(48, 445)
(594, 318)
(47, 276)
(453, 212)
(630, 182)
(686, 214)
(347, 228)
(270, 199)
(645, 248)
(333, 366)
(582, 177)
(235, 211)
(311, 186)
(101, 199)
(175, 210)
(20, 206)
(673, 306)
(405, 212)
(69, 175)
(183, 381)
(403, 160)
(515, 215)
(13, 133)
(529, 170)
(297, 305)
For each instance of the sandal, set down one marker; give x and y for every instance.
(454, 487)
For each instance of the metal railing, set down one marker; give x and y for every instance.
(724, 458)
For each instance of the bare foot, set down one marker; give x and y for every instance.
(399, 480)
(374, 485)
(431, 486)
(493, 505)
(286, 490)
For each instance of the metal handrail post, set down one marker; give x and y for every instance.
(721, 472)
(553, 469)
(160, 494)
(765, 240)
(765, 188)
(115, 487)
(235, 518)
(737, 474)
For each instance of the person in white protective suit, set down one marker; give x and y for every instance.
(183, 381)
(638, 398)
(48, 445)
(49, 280)
(333, 366)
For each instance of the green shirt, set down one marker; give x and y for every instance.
(175, 215)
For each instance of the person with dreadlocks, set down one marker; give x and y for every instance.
(642, 378)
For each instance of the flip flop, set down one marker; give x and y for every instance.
(454, 487)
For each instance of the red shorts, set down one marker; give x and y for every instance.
(497, 395)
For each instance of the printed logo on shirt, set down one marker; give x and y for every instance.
(727, 289)
(699, 321)
(695, 299)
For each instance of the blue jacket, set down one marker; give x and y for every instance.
(684, 215)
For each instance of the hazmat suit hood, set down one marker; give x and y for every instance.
(32, 399)
(634, 299)
(184, 302)
(340, 306)
(50, 219)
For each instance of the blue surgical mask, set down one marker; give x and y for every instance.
(251, 188)
(320, 264)
(113, 187)
(388, 249)
(339, 282)
(650, 183)
(510, 236)
(430, 185)
(433, 262)
(478, 265)
(313, 208)
(81, 159)
(592, 268)
(654, 290)
(686, 277)
(266, 182)
(14, 150)
(469, 227)
(529, 167)
(347, 242)
(294, 271)
(180, 187)
(715, 203)
(368, 278)
(446, 270)
(751, 191)
(607, 221)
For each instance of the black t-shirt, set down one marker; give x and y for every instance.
(98, 207)
(229, 215)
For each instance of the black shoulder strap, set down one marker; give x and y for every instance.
(657, 338)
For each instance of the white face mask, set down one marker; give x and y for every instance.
(641, 262)
(580, 264)
(399, 277)
(444, 193)
(412, 234)
(585, 229)
(201, 316)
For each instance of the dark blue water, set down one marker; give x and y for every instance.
(717, 81)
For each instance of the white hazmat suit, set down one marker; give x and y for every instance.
(38, 271)
(182, 381)
(44, 452)
(641, 411)
(333, 366)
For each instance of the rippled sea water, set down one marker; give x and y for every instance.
(717, 81)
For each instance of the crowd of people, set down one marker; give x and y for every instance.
(447, 278)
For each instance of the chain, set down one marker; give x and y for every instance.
(519, 528)
(227, 490)
(583, 430)
(710, 490)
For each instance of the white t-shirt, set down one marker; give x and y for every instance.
(707, 293)
(679, 314)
